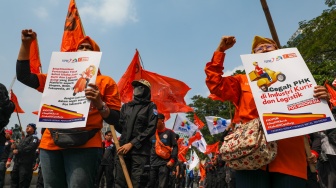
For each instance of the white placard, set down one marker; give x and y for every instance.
(63, 103)
(283, 88)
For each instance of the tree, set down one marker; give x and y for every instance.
(316, 42)
(330, 3)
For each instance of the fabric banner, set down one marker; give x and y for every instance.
(194, 161)
(332, 93)
(73, 29)
(14, 99)
(213, 148)
(167, 93)
(184, 126)
(198, 122)
(216, 124)
(200, 145)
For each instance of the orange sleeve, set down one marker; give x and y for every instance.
(110, 92)
(42, 80)
(226, 88)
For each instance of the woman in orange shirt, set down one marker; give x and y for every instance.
(74, 166)
(289, 168)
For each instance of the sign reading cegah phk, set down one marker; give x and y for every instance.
(283, 88)
(63, 103)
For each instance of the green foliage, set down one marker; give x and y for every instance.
(317, 45)
(330, 3)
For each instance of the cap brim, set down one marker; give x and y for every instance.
(136, 83)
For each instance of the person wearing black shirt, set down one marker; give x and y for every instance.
(160, 168)
(24, 159)
(4, 156)
(137, 124)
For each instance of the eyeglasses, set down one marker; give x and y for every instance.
(88, 47)
(264, 47)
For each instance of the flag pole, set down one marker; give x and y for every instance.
(174, 122)
(12, 83)
(270, 22)
(121, 157)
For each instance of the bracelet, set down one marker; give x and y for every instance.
(103, 108)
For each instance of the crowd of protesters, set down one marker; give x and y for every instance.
(148, 150)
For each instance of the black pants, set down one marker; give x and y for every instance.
(135, 166)
(327, 172)
(263, 179)
(21, 175)
(2, 173)
(160, 174)
(107, 171)
(39, 182)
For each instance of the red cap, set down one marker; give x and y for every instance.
(9, 131)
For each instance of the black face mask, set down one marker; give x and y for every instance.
(139, 91)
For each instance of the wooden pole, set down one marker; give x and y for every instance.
(308, 152)
(270, 22)
(121, 157)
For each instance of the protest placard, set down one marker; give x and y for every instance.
(283, 88)
(63, 103)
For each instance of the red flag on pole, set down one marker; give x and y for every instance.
(198, 122)
(182, 151)
(34, 56)
(73, 29)
(332, 93)
(14, 99)
(167, 93)
(202, 171)
(192, 139)
(133, 72)
(213, 148)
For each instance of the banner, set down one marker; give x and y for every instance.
(332, 93)
(14, 99)
(200, 145)
(184, 126)
(283, 88)
(194, 160)
(167, 93)
(216, 124)
(198, 122)
(73, 29)
(63, 103)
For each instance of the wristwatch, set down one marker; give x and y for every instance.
(103, 108)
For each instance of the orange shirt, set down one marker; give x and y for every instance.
(110, 95)
(291, 157)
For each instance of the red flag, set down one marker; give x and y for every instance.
(133, 72)
(73, 29)
(202, 171)
(213, 148)
(180, 142)
(167, 93)
(35, 112)
(192, 139)
(198, 122)
(332, 93)
(34, 56)
(16, 102)
(182, 151)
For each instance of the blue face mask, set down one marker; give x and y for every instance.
(139, 91)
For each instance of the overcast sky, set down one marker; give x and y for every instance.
(175, 38)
